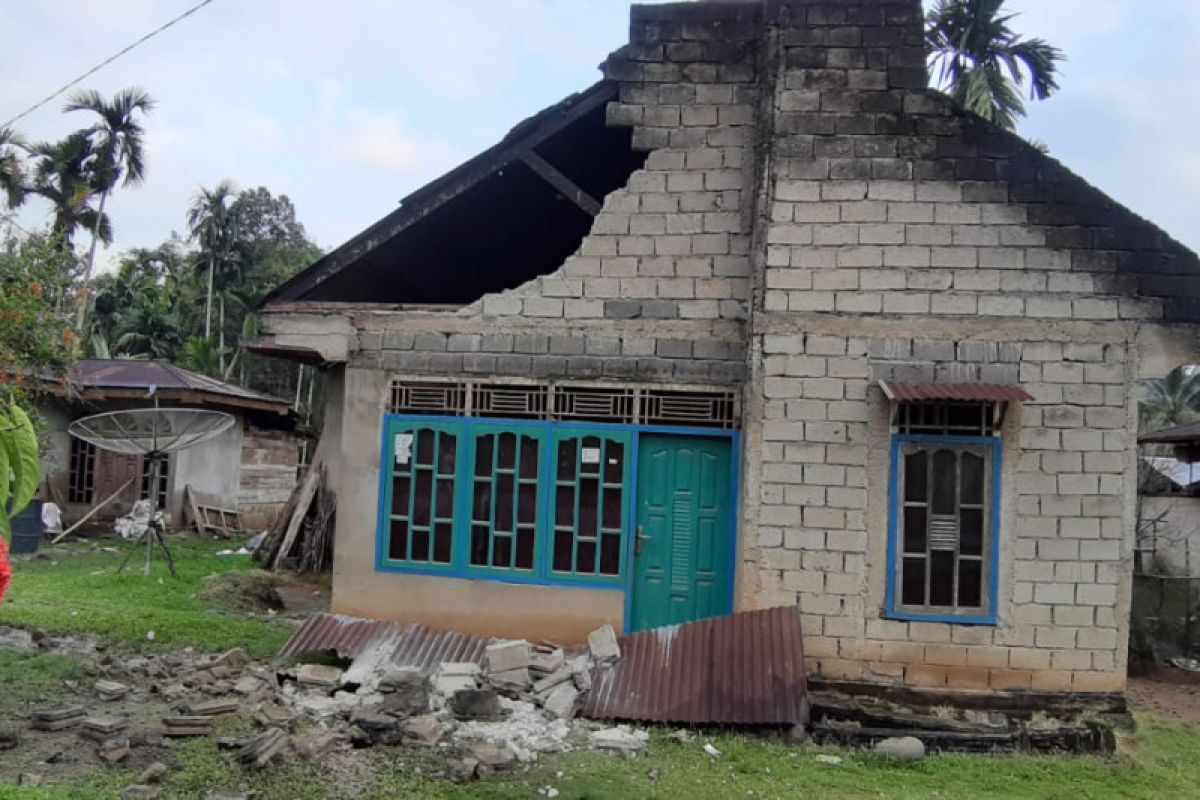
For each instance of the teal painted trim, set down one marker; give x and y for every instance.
(892, 611)
(391, 427)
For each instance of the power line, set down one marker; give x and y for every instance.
(107, 61)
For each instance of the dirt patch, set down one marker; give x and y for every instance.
(251, 592)
(1169, 692)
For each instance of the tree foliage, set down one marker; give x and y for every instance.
(983, 64)
(1173, 399)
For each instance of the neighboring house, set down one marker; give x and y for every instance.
(757, 320)
(251, 467)
(1168, 539)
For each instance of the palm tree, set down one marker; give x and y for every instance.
(983, 63)
(1171, 400)
(12, 171)
(214, 227)
(119, 149)
(63, 176)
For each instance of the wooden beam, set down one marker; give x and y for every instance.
(565, 186)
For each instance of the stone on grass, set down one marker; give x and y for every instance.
(115, 750)
(481, 704)
(29, 779)
(490, 755)
(463, 770)
(602, 643)
(154, 773)
(908, 748)
(235, 659)
(111, 690)
(140, 791)
(622, 738)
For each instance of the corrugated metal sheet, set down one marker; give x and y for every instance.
(971, 392)
(132, 374)
(745, 669)
(410, 645)
(1180, 434)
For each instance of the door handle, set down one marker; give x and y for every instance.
(639, 537)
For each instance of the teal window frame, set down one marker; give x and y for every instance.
(387, 513)
(468, 431)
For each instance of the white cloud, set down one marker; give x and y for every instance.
(378, 140)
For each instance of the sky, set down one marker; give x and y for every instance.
(348, 106)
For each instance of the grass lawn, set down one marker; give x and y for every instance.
(82, 593)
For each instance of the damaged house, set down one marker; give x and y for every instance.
(758, 320)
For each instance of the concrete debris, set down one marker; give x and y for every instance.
(111, 690)
(140, 792)
(906, 748)
(29, 779)
(229, 794)
(58, 719)
(481, 704)
(506, 656)
(153, 773)
(545, 660)
(235, 659)
(711, 751)
(101, 728)
(491, 755)
(453, 677)
(622, 739)
(602, 643)
(463, 770)
(273, 714)
(524, 729)
(187, 726)
(829, 760)
(511, 681)
(113, 751)
(426, 731)
(257, 751)
(211, 708)
(9, 738)
(563, 701)
(405, 692)
(563, 674)
(319, 675)
(248, 685)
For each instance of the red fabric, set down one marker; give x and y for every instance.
(5, 570)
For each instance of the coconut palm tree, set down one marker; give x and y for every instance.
(211, 224)
(63, 176)
(12, 170)
(982, 63)
(1171, 400)
(118, 140)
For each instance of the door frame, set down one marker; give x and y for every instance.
(735, 481)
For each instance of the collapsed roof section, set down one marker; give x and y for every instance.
(512, 213)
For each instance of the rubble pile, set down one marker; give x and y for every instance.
(519, 701)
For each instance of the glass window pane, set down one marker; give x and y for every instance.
(398, 541)
(916, 476)
(970, 540)
(614, 462)
(445, 498)
(400, 487)
(525, 537)
(479, 545)
(527, 503)
(421, 502)
(588, 491)
(483, 454)
(566, 460)
(564, 506)
(502, 551)
(447, 453)
(914, 529)
(970, 583)
(425, 441)
(972, 479)
(912, 590)
(420, 545)
(504, 503)
(507, 451)
(443, 537)
(610, 554)
(481, 507)
(529, 457)
(945, 481)
(563, 545)
(941, 578)
(587, 558)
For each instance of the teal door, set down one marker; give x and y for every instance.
(682, 569)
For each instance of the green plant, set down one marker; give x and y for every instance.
(19, 470)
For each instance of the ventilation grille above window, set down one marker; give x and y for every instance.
(566, 402)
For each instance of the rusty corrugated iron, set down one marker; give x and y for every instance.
(971, 392)
(744, 669)
(404, 645)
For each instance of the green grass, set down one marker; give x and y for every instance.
(1161, 761)
(29, 676)
(83, 593)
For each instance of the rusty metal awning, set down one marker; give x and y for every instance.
(1179, 434)
(744, 669)
(403, 645)
(963, 392)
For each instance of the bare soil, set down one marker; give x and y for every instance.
(1168, 691)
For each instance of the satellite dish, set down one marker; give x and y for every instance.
(151, 432)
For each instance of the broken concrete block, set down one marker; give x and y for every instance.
(373, 722)
(319, 675)
(426, 731)
(172, 692)
(111, 690)
(257, 751)
(29, 779)
(187, 726)
(560, 675)
(211, 708)
(272, 714)
(602, 643)
(463, 770)
(315, 746)
(492, 756)
(248, 684)
(547, 661)
(102, 728)
(481, 704)
(58, 719)
(458, 668)
(406, 692)
(562, 701)
(9, 738)
(153, 773)
(448, 685)
(113, 751)
(622, 739)
(512, 680)
(235, 659)
(506, 656)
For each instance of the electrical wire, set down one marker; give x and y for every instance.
(106, 62)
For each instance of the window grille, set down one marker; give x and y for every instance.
(421, 523)
(589, 505)
(81, 480)
(570, 402)
(504, 501)
(947, 419)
